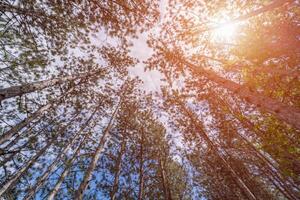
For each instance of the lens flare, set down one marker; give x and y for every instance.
(225, 32)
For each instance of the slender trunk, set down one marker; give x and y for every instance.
(273, 170)
(31, 162)
(42, 178)
(166, 188)
(27, 134)
(20, 90)
(141, 169)
(12, 154)
(278, 185)
(4, 69)
(288, 114)
(10, 133)
(204, 136)
(92, 166)
(118, 170)
(248, 178)
(281, 186)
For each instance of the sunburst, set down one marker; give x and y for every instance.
(225, 32)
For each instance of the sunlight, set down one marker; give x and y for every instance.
(225, 33)
(224, 28)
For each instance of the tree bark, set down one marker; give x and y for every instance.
(118, 170)
(288, 114)
(92, 166)
(20, 90)
(166, 188)
(141, 169)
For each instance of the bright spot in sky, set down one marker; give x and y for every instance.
(225, 32)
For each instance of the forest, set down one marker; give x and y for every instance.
(150, 99)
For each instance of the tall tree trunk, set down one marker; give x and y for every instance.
(20, 90)
(118, 171)
(204, 136)
(10, 133)
(288, 114)
(273, 170)
(42, 178)
(92, 166)
(242, 171)
(278, 185)
(141, 168)
(166, 186)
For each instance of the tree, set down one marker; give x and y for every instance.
(174, 59)
(74, 124)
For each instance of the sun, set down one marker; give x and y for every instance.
(225, 32)
(224, 27)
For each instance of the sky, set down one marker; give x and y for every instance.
(141, 51)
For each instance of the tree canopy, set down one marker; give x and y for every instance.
(77, 122)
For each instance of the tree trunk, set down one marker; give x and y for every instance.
(288, 114)
(118, 170)
(141, 169)
(92, 166)
(20, 90)
(18, 137)
(42, 178)
(10, 133)
(166, 188)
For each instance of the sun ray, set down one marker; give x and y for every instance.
(225, 32)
